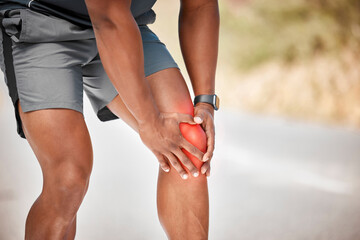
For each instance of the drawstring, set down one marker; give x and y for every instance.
(29, 3)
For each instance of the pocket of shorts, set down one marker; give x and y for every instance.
(13, 25)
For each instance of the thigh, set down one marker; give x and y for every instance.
(169, 90)
(60, 141)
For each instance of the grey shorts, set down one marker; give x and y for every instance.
(47, 63)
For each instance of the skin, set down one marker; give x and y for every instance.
(199, 39)
(113, 26)
(66, 170)
(152, 106)
(181, 215)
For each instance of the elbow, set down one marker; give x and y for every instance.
(103, 23)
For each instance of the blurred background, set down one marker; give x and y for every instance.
(286, 164)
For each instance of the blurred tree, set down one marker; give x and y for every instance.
(261, 30)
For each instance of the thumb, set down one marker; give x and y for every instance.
(198, 118)
(185, 118)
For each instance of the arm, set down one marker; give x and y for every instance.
(199, 33)
(120, 47)
(115, 26)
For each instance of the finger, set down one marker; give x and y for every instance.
(162, 162)
(199, 117)
(175, 163)
(192, 149)
(205, 167)
(187, 162)
(210, 135)
(185, 118)
(208, 172)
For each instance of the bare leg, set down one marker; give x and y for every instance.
(183, 205)
(61, 143)
(70, 235)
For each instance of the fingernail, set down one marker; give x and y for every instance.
(206, 159)
(166, 170)
(197, 119)
(203, 171)
(185, 176)
(196, 174)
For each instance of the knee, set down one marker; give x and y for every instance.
(74, 180)
(69, 184)
(195, 135)
(192, 133)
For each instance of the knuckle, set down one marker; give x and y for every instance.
(184, 160)
(160, 159)
(174, 163)
(172, 147)
(194, 150)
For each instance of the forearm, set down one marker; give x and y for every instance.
(124, 65)
(199, 34)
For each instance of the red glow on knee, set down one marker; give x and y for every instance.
(186, 108)
(197, 137)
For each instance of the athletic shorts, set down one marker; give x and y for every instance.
(47, 63)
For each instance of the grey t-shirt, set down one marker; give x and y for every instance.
(75, 11)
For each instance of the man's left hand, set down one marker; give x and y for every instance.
(204, 115)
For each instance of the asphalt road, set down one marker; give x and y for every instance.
(272, 179)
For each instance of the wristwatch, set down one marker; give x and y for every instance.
(212, 99)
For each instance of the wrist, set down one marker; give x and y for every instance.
(208, 107)
(149, 120)
(209, 99)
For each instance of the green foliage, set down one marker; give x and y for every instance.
(262, 30)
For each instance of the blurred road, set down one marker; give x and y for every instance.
(272, 179)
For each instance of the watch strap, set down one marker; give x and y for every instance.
(213, 100)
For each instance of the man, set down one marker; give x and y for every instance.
(50, 56)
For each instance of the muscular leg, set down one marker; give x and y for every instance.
(61, 143)
(70, 235)
(183, 205)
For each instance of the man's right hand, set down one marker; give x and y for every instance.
(164, 139)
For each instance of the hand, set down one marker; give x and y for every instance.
(164, 139)
(204, 115)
